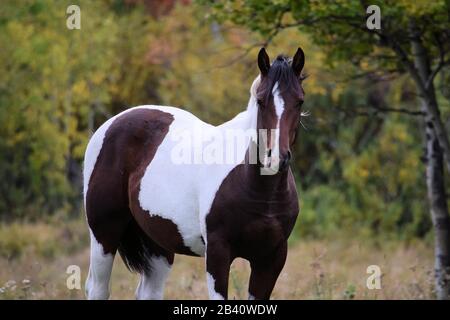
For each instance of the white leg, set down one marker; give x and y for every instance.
(97, 283)
(151, 285)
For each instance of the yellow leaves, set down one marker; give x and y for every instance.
(420, 7)
(80, 88)
(360, 170)
(391, 162)
(397, 135)
(403, 175)
(363, 173)
(402, 135)
(114, 89)
(78, 151)
(21, 32)
(407, 174)
(365, 65)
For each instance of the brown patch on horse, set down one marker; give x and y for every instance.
(112, 205)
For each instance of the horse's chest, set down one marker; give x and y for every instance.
(257, 235)
(252, 225)
(249, 217)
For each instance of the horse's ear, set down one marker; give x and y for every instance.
(298, 62)
(263, 62)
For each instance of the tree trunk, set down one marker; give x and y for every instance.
(439, 212)
(434, 170)
(421, 75)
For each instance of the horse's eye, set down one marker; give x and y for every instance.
(259, 102)
(300, 103)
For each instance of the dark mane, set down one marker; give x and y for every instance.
(280, 71)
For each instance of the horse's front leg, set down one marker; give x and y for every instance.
(218, 262)
(265, 272)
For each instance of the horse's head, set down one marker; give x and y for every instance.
(279, 95)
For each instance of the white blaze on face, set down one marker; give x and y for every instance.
(279, 109)
(279, 103)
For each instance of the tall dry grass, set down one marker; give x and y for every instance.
(34, 259)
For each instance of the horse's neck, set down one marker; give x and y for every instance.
(268, 186)
(251, 179)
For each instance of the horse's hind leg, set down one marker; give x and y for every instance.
(108, 221)
(143, 255)
(152, 282)
(97, 283)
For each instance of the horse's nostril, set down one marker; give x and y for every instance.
(285, 161)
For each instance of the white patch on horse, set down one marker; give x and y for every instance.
(213, 295)
(151, 286)
(251, 297)
(97, 283)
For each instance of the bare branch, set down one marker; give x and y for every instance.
(441, 63)
(375, 110)
(400, 110)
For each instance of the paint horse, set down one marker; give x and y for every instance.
(148, 208)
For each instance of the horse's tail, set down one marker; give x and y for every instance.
(135, 248)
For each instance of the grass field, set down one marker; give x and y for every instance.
(34, 259)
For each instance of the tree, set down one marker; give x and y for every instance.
(56, 86)
(414, 39)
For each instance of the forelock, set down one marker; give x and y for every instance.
(280, 72)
